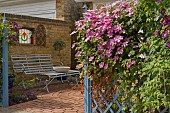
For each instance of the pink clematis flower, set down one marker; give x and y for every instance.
(129, 11)
(109, 53)
(123, 5)
(116, 57)
(159, 1)
(73, 45)
(91, 58)
(117, 28)
(118, 38)
(74, 32)
(168, 44)
(125, 44)
(104, 43)
(119, 50)
(101, 65)
(100, 49)
(165, 34)
(78, 23)
(129, 55)
(78, 54)
(79, 66)
(116, 15)
(129, 14)
(165, 21)
(106, 66)
(131, 63)
(116, 10)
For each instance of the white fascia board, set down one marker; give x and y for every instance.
(4, 3)
(40, 9)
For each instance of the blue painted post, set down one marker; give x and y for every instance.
(87, 92)
(5, 100)
(87, 84)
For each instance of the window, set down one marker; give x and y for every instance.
(26, 36)
(31, 36)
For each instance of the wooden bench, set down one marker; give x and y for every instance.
(38, 64)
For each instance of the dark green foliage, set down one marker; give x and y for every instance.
(59, 45)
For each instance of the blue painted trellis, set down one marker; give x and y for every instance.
(4, 90)
(113, 104)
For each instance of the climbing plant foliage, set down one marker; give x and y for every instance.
(10, 35)
(130, 39)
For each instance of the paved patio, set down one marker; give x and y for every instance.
(63, 98)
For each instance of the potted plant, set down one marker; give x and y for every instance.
(11, 79)
(58, 46)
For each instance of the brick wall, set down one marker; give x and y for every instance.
(55, 29)
(69, 11)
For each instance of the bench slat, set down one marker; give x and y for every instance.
(32, 62)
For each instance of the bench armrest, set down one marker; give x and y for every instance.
(59, 63)
(24, 68)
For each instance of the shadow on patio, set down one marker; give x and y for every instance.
(63, 98)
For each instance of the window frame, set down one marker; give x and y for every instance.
(33, 35)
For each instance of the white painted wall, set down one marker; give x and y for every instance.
(43, 9)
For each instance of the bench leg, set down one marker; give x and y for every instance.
(23, 83)
(62, 79)
(77, 83)
(77, 80)
(47, 82)
(37, 81)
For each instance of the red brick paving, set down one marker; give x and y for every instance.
(61, 99)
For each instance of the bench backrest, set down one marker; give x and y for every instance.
(31, 64)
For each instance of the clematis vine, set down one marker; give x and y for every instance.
(102, 29)
(16, 26)
(165, 26)
(118, 39)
